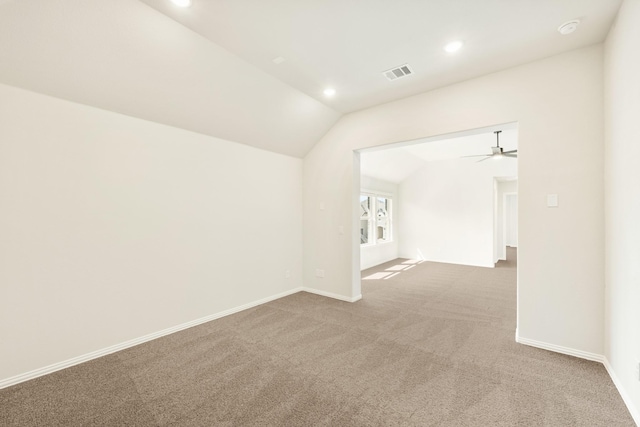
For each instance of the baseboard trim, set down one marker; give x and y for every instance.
(560, 349)
(332, 295)
(633, 410)
(136, 341)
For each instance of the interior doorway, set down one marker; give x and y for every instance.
(511, 220)
(404, 244)
(505, 216)
(443, 206)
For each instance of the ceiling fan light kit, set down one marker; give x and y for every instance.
(497, 152)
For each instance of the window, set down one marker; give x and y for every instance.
(375, 219)
(383, 219)
(366, 203)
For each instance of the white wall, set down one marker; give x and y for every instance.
(372, 255)
(558, 104)
(511, 220)
(113, 227)
(126, 57)
(446, 211)
(622, 206)
(503, 187)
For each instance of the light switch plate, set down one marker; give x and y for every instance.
(552, 200)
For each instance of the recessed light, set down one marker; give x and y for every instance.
(568, 27)
(329, 92)
(453, 46)
(279, 60)
(182, 3)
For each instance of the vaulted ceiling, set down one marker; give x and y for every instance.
(209, 68)
(347, 44)
(398, 162)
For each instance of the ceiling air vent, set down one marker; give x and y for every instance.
(398, 72)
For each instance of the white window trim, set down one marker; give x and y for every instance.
(374, 195)
(371, 212)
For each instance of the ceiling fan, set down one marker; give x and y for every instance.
(497, 151)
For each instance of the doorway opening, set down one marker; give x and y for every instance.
(454, 202)
(505, 216)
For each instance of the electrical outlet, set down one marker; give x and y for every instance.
(287, 274)
(319, 273)
(638, 369)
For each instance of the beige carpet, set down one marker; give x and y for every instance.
(430, 346)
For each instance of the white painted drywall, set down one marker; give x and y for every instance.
(114, 227)
(372, 255)
(124, 56)
(511, 220)
(496, 220)
(446, 211)
(622, 204)
(503, 187)
(558, 103)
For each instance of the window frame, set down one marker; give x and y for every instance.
(372, 225)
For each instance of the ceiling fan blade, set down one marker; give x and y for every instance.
(510, 152)
(482, 160)
(513, 155)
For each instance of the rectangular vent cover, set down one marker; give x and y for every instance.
(398, 72)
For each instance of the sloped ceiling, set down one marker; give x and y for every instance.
(123, 56)
(347, 44)
(209, 68)
(397, 163)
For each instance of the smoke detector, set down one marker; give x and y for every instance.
(398, 72)
(568, 27)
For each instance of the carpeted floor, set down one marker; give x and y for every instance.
(431, 346)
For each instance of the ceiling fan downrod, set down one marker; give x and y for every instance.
(497, 138)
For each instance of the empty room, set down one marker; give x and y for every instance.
(241, 212)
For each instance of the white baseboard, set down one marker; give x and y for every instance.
(131, 343)
(634, 410)
(560, 349)
(136, 341)
(332, 295)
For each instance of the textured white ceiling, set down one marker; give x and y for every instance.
(397, 163)
(124, 56)
(347, 44)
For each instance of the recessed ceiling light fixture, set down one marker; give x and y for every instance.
(181, 3)
(453, 46)
(568, 27)
(279, 60)
(329, 92)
